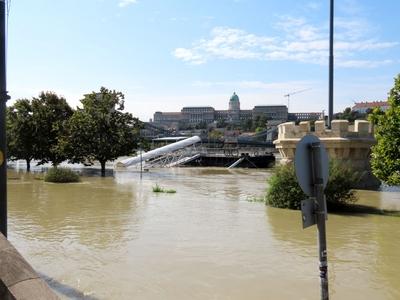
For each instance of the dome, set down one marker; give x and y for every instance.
(234, 98)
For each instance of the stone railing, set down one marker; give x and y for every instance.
(349, 144)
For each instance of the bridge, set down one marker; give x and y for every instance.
(186, 150)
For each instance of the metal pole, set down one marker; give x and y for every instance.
(320, 213)
(3, 99)
(330, 117)
(141, 169)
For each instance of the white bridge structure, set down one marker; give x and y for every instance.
(167, 156)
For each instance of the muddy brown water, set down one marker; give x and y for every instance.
(113, 238)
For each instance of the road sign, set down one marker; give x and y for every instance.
(312, 168)
(308, 212)
(303, 163)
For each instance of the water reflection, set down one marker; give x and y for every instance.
(94, 212)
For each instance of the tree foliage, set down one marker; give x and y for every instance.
(351, 115)
(20, 131)
(34, 127)
(50, 114)
(385, 157)
(100, 130)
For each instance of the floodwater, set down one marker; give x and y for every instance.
(113, 238)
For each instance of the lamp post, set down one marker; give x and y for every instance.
(330, 113)
(3, 99)
(141, 162)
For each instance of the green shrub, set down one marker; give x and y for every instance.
(159, 189)
(285, 192)
(342, 180)
(170, 191)
(61, 175)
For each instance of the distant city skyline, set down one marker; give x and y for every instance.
(164, 55)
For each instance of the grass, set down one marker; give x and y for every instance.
(159, 189)
(256, 199)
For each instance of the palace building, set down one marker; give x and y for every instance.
(194, 115)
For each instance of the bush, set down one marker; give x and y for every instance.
(61, 175)
(159, 189)
(285, 192)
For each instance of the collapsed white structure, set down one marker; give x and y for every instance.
(159, 152)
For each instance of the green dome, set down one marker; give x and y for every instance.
(234, 98)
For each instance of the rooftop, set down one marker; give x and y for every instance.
(367, 104)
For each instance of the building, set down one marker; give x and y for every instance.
(306, 116)
(198, 114)
(272, 112)
(364, 107)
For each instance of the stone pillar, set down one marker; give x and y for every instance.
(350, 145)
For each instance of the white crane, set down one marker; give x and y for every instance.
(293, 93)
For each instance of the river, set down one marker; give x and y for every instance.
(113, 238)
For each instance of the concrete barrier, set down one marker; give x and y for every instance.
(18, 280)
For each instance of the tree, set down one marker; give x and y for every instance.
(201, 125)
(50, 114)
(221, 123)
(20, 132)
(350, 115)
(246, 125)
(385, 157)
(215, 134)
(260, 123)
(100, 130)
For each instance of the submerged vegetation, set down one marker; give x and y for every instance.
(61, 175)
(256, 199)
(285, 192)
(159, 189)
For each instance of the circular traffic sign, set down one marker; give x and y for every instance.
(303, 163)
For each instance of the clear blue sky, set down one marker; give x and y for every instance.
(165, 54)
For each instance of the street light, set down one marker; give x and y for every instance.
(330, 113)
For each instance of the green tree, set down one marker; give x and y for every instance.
(221, 123)
(50, 114)
(260, 123)
(201, 125)
(350, 115)
(215, 134)
(246, 125)
(385, 157)
(20, 132)
(100, 130)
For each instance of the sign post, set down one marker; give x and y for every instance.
(312, 170)
(3, 98)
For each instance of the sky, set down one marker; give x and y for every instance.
(166, 54)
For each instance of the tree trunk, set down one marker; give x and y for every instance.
(28, 165)
(103, 168)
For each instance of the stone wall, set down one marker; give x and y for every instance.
(349, 144)
(18, 280)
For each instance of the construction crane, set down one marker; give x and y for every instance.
(293, 93)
